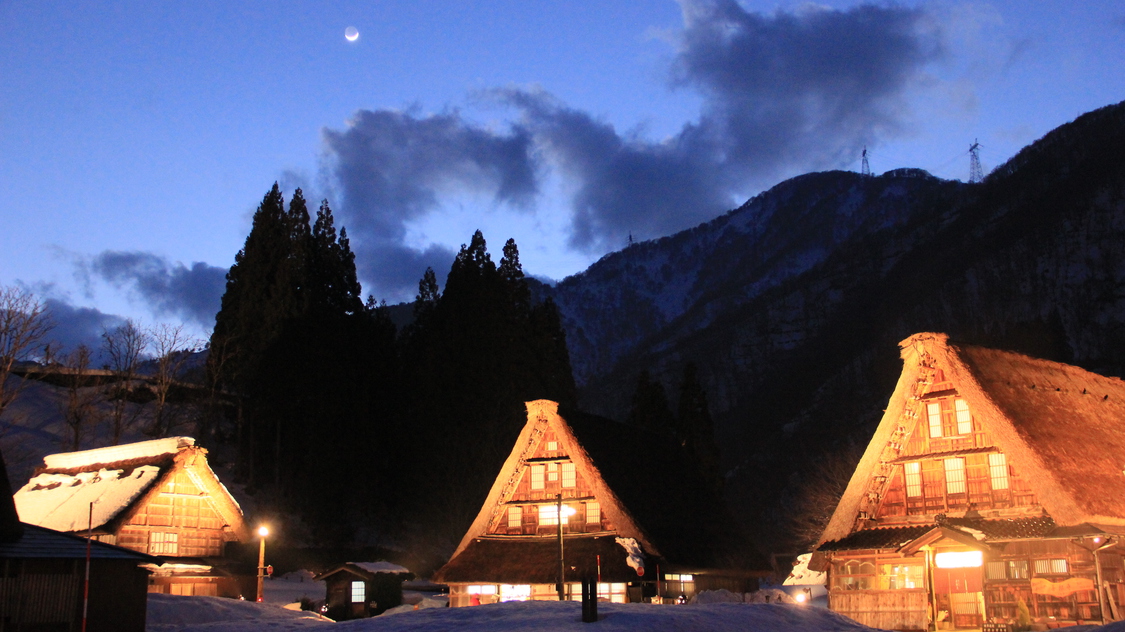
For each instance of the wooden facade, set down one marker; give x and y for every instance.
(582, 471)
(963, 510)
(179, 511)
(356, 590)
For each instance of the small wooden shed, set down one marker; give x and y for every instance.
(363, 589)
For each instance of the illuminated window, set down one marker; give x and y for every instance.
(900, 576)
(1050, 567)
(964, 419)
(996, 570)
(568, 477)
(537, 476)
(679, 584)
(548, 515)
(517, 592)
(1017, 569)
(1011, 569)
(515, 516)
(163, 543)
(593, 513)
(552, 471)
(612, 591)
(933, 411)
(913, 478)
(552, 446)
(955, 476)
(998, 470)
(855, 575)
(359, 592)
(483, 589)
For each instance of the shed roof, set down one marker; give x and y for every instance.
(41, 543)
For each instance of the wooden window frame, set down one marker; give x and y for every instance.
(998, 474)
(912, 480)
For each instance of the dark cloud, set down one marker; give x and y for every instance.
(78, 325)
(170, 289)
(392, 166)
(783, 93)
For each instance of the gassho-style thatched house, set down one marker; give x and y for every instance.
(636, 516)
(157, 497)
(992, 491)
(43, 578)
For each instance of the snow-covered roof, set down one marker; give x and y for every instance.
(116, 453)
(62, 501)
(380, 567)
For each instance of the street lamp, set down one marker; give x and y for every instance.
(263, 531)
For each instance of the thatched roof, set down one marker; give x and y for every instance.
(1062, 428)
(118, 480)
(647, 489)
(535, 560)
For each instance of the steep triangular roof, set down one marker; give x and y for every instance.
(645, 486)
(1063, 427)
(118, 480)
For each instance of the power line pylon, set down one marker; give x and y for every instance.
(976, 173)
(866, 168)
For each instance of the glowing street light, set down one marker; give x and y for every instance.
(263, 531)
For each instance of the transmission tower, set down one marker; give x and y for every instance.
(866, 168)
(976, 173)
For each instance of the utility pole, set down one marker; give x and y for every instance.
(562, 564)
(976, 173)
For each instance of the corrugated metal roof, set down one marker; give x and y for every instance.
(40, 543)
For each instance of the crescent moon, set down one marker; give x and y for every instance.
(351, 34)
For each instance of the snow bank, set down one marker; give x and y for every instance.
(553, 616)
(173, 613)
(62, 502)
(802, 576)
(116, 453)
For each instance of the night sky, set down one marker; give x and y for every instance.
(137, 138)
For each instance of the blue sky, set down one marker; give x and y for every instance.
(137, 138)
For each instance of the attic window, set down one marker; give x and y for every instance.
(515, 517)
(552, 446)
(964, 419)
(552, 471)
(568, 476)
(537, 472)
(933, 412)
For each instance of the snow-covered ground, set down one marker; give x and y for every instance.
(291, 588)
(173, 613)
(169, 613)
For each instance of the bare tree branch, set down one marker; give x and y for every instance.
(24, 323)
